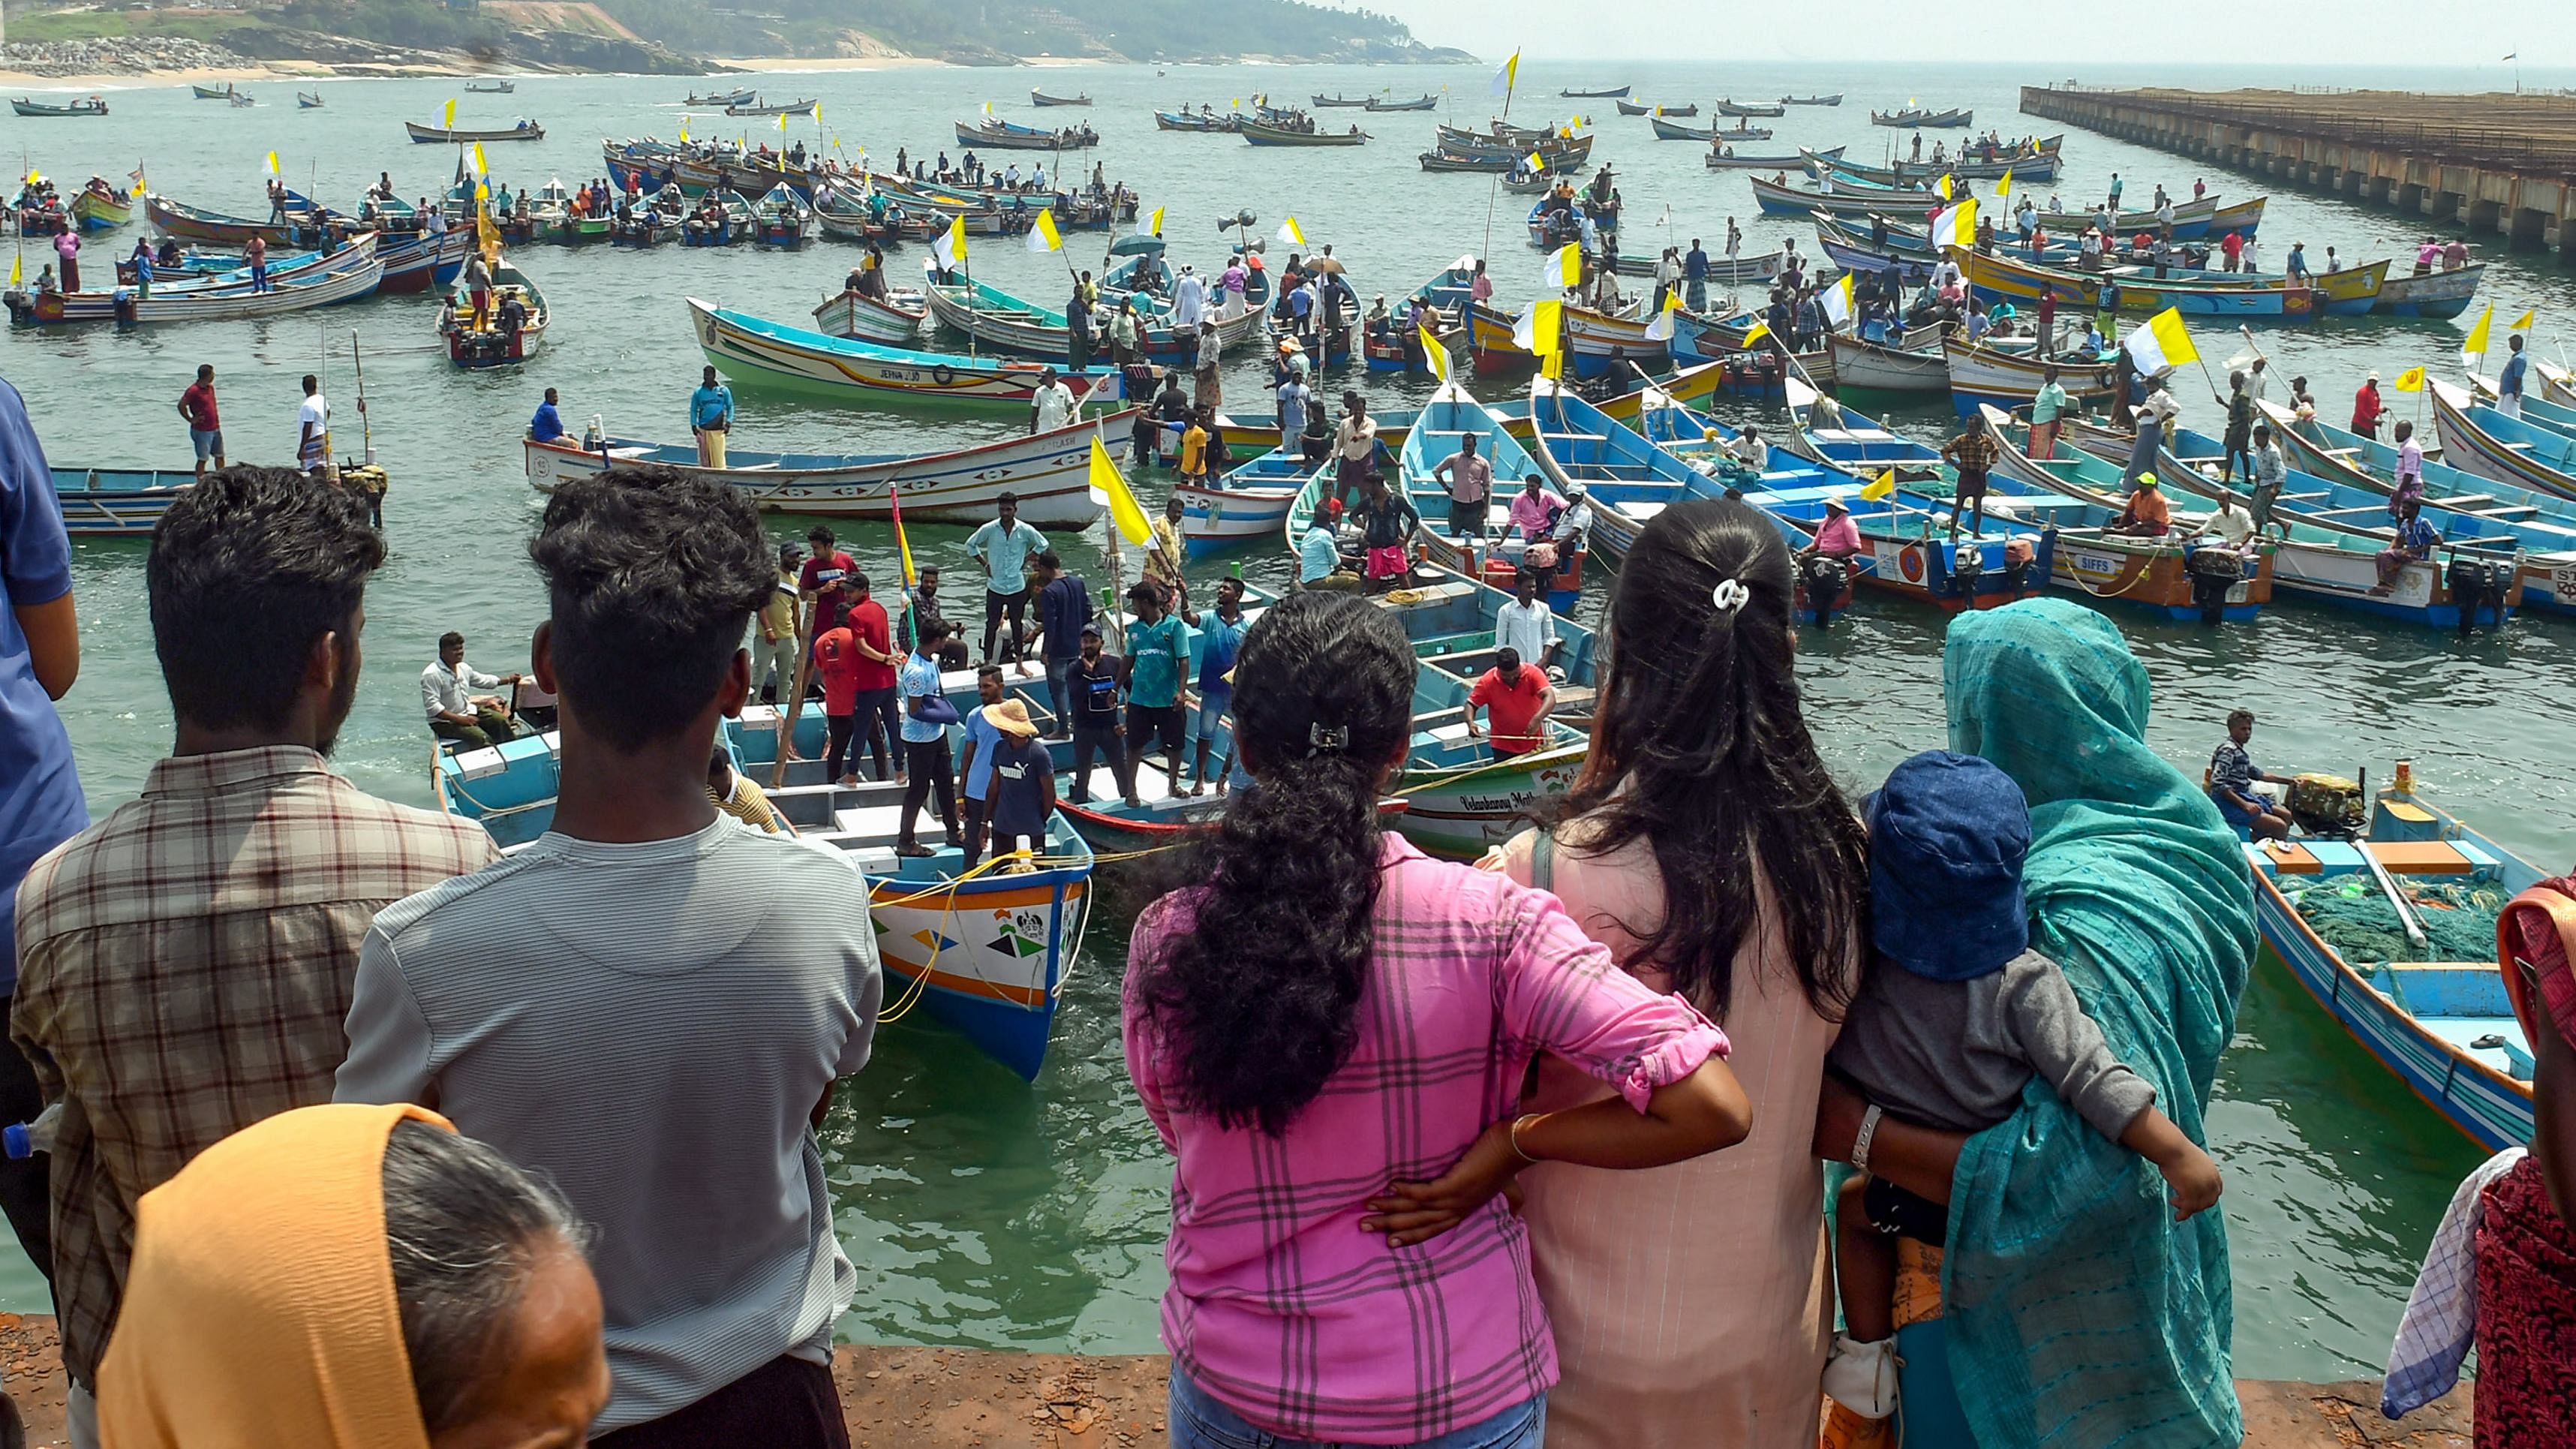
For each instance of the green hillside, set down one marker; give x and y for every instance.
(1109, 29)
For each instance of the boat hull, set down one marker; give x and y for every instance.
(2431, 294)
(850, 371)
(871, 319)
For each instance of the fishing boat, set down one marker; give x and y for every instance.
(894, 319)
(1246, 504)
(1601, 344)
(780, 220)
(116, 502)
(1914, 118)
(1496, 558)
(1049, 471)
(2484, 441)
(1041, 98)
(490, 87)
(304, 102)
(1722, 157)
(99, 206)
(2368, 463)
(742, 97)
(1835, 99)
(782, 108)
(994, 133)
(1732, 107)
(93, 106)
(507, 336)
(434, 135)
(720, 219)
(998, 319)
(223, 92)
(1261, 133)
(1882, 367)
(753, 350)
(1668, 130)
(2429, 294)
(1323, 102)
(2444, 1028)
(641, 229)
(2036, 160)
(1980, 374)
(1390, 105)
(1611, 94)
(985, 955)
(1993, 275)
(1626, 478)
(417, 261)
(349, 274)
(2328, 561)
(1908, 550)
(1643, 108)
(1204, 122)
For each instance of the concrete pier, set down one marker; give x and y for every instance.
(2484, 166)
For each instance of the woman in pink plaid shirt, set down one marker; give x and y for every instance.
(1331, 1032)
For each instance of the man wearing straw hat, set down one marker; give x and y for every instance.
(1022, 788)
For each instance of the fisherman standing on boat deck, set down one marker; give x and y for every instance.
(1515, 698)
(1695, 276)
(926, 717)
(975, 769)
(1206, 389)
(773, 658)
(2410, 473)
(1354, 446)
(710, 418)
(473, 720)
(206, 426)
(1158, 646)
(2271, 473)
(1164, 549)
(2509, 383)
(1469, 479)
(2367, 407)
(1387, 521)
(1050, 403)
(2231, 783)
(1189, 301)
(1526, 624)
(313, 430)
(2239, 440)
(1064, 607)
(1220, 639)
(1003, 546)
(1077, 331)
(2047, 415)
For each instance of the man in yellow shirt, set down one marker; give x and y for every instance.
(734, 794)
(1165, 552)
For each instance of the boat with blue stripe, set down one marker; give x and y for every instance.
(117, 502)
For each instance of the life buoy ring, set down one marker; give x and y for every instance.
(943, 374)
(1910, 560)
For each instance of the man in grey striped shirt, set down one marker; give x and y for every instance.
(650, 1004)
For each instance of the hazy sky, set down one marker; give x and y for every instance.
(2348, 32)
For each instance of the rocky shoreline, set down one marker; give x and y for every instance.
(120, 55)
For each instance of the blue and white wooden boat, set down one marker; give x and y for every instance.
(1050, 472)
(1626, 478)
(1247, 504)
(1494, 559)
(2445, 1029)
(984, 955)
(116, 502)
(2509, 450)
(755, 350)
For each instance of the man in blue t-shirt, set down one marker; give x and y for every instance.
(711, 418)
(547, 425)
(927, 715)
(1220, 638)
(2509, 383)
(40, 796)
(1158, 649)
(1064, 606)
(983, 739)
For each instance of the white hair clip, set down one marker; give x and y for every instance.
(1729, 596)
(1328, 737)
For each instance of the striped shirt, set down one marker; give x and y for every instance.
(651, 1025)
(1279, 1305)
(185, 966)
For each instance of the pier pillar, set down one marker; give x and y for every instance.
(2486, 216)
(2529, 230)
(2380, 188)
(2410, 197)
(2445, 207)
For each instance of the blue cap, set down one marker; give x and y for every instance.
(1947, 836)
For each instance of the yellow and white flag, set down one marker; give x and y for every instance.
(451, 113)
(481, 168)
(272, 165)
(1537, 330)
(1661, 329)
(17, 270)
(2477, 342)
(818, 113)
(1433, 353)
(1837, 300)
(1154, 223)
(1538, 164)
(1943, 186)
(684, 129)
(2161, 343)
(2003, 188)
(950, 245)
(1290, 232)
(2411, 380)
(1043, 237)
(1565, 266)
(782, 123)
(2520, 324)
(1958, 225)
(1506, 76)
(1109, 490)
(988, 108)
(1882, 486)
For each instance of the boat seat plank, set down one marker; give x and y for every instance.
(2420, 857)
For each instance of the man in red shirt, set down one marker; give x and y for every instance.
(836, 658)
(878, 726)
(2234, 246)
(1515, 699)
(823, 584)
(205, 427)
(2366, 408)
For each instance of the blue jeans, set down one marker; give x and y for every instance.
(1059, 677)
(1200, 1422)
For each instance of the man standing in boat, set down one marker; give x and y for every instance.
(205, 426)
(710, 417)
(1004, 547)
(1695, 277)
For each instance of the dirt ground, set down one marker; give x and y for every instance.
(947, 1398)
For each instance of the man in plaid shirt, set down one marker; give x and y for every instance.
(231, 897)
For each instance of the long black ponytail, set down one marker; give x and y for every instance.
(1257, 1001)
(1700, 750)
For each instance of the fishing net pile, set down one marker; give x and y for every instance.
(2353, 915)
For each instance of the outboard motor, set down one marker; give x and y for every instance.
(1967, 572)
(2214, 571)
(2475, 583)
(1825, 578)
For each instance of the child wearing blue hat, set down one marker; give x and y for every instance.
(1950, 1025)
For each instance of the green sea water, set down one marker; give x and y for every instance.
(984, 1211)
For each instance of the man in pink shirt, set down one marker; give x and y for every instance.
(1825, 566)
(1534, 508)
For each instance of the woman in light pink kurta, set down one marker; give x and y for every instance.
(1691, 1304)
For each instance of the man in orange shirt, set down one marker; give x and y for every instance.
(2146, 515)
(1516, 699)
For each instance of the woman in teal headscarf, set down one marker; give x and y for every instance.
(2075, 1311)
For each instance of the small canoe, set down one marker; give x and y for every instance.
(1832, 100)
(99, 206)
(2445, 1028)
(1185, 121)
(1260, 133)
(1611, 94)
(1246, 504)
(116, 502)
(240, 100)
(499, 343)
(1450, 415)
(432, 135)
(1041, 98)
(1918, 118)
(782, 108)
(90, 107)
(1322, 101)
(1419, 103)
(305, 102)
(1648, 108)
(996, 134)
(723, 98)
(894, 319)
(780, 220)
(1732, 107)
(222, 92)
(754, 350)
(490, 88)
